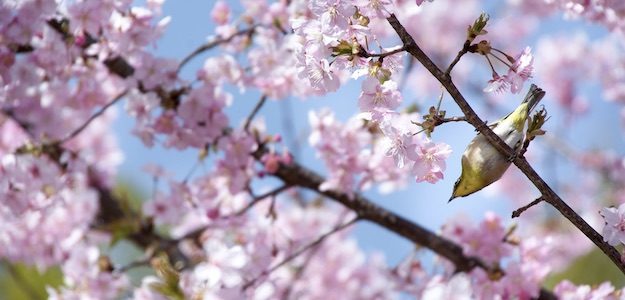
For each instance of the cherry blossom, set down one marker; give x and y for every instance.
(376, 8)
(220, 12)
(521, 70)
(333, 13)
(614, 229)
(43, 216)
(419, 2)
(457, 288)
(429, 161)
(398, 142)
(498, 84)
(323, 78)
(379, 96)
(341, 148)
(568, 290)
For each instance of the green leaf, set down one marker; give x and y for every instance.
(18, 281)
(590, 269)
(478, 27)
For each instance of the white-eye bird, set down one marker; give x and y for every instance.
(482, 164)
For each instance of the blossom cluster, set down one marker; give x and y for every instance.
(235, 250)
(332, 42)
(519, 72)
(608, 13)
(395, 154)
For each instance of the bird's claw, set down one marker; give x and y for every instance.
(485, 123)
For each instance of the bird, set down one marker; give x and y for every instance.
(482, 164)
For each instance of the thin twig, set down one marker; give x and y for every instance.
(297, 253)
(463, 51)
(271, 211)
(364, 53)
(134, 264)
(187, 177)
(197, 232)
(259, 198)
(253, 113)
(288, 127)
(24, 126)
(452, 119)
(517, 213)
(440, 100)
(547, 193)
(299, 272)
(526, 144)
(103, 109)
(213, 44)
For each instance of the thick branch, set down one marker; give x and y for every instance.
(548, 194)
(296, 175)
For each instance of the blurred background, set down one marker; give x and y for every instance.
(597, 128)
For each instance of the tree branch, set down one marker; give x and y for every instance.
(547, 193)
(254, 111)
(98, 113)
(301, 250)
(517, 213)
(214, 43)
(259, 198)
(364, 53)
(463, 51)
(297, 175)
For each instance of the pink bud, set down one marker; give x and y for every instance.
(79, 40)
(271, 162)
(287, 158)
(220, 13)
(212, 213)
